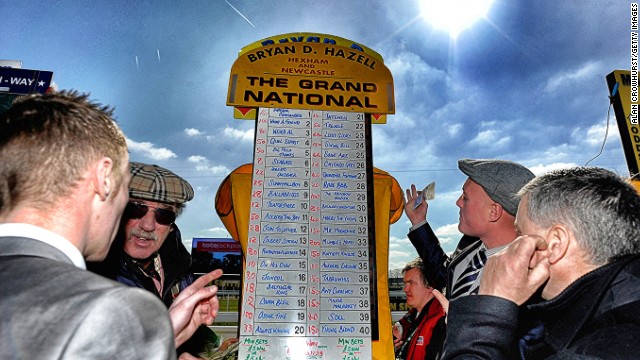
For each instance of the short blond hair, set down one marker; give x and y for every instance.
(48, 141)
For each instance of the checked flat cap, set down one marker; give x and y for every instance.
(155, 183)
(500, 179)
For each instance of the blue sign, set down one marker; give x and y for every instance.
(24, 81)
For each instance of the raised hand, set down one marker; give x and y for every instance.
(195, 305)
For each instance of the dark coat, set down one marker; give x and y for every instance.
(596, 317)
(439, 267)
(176, 263)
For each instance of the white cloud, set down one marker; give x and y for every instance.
(596, 133)
(215, 170)
(455, 111)
(541, 169)
(197, 159)
(454, 129)
(570, 77)
(412, 68)
(400, 120)
(203, 165)
(401, 251)
(193, 132)
(490, 137)
(448, 234)
(244, 135)
(149, 150)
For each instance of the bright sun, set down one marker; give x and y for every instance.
(454, 16)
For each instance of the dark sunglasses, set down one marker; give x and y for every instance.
(135, 210)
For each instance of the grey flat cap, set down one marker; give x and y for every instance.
(500, 179)
(155, 183)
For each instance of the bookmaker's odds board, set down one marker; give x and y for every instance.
(309, 281)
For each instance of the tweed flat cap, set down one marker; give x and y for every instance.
(155, 183)
(500, 179)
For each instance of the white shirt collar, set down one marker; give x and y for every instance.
(47, 237)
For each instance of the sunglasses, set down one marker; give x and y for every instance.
(135, 210)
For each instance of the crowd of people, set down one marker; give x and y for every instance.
(548, 266)
(559, 277)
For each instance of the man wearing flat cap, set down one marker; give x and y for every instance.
(488, 206)
(148, 252)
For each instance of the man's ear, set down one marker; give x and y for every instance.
(558, 238)
(495, 212)
(103, 183)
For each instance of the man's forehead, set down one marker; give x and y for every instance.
(472, 186)
(411, 273)
(470, 183)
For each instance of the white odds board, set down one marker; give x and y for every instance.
(307, 284)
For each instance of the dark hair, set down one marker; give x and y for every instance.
(417, 264)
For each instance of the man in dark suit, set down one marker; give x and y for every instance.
(63, 186)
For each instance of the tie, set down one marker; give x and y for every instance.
(469, 275)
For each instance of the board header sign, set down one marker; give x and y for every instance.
(305, 75)
(310, 38)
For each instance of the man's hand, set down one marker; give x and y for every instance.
(194, 306)
(418, 214)
(516, 272)
(397, 338)
(442, 300)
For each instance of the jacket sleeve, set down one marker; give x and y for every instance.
(122, 323)
(434, 258)
(480, 327)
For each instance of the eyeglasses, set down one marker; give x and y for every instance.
(135, 210)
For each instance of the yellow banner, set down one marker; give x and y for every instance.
(623, 90)
(312, 76)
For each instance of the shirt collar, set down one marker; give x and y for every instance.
(46, 236)
(494, 250)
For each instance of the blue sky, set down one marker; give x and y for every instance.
(526, 83)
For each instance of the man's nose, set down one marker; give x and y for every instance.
(148, 221)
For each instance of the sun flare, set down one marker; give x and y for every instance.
(454, 16)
